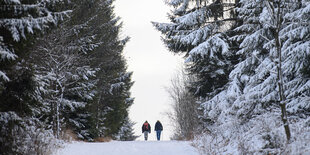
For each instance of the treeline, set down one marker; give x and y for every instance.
(246, 73)
(62, 72)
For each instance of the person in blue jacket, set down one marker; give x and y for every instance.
(158, 129)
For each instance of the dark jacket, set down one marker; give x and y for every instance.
(146, 127)
(158, 126)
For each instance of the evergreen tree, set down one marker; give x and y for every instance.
(20, 22)
(200, 30)
(110, 106)
(283, 52)
(126, 132)
(65, 81)
(84, 76)
(116, 99)
(275, 48)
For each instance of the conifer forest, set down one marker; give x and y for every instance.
(62, 71)
(246, 74)
(244, 87)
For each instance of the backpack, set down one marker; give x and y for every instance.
(146, 126)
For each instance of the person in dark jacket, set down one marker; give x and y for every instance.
(146, 129)
(158, 129)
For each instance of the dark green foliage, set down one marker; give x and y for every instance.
(207, 81)
(68, 78)
(20, 106)
(17, 94)
(95, 30)
(7, 127)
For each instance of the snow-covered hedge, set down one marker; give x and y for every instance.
(25, 136)
(261, 135)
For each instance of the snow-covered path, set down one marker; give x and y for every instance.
(129, 148)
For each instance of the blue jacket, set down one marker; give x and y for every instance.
(158, 126)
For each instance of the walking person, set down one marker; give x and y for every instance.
(146, 129)
(158, 129)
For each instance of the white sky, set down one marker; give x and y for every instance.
(147, 57)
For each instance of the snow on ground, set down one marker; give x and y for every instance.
(129, 148)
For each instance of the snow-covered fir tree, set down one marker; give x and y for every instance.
(95, 73)
(65, 81)
(126, 132)
(112, 101)
(116, 98)
(20, 24)
(253, 93)
(18, 21)
(200, 30)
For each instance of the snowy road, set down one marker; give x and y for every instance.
(129, 148)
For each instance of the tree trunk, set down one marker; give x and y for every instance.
(57, 117)
(280, 76)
